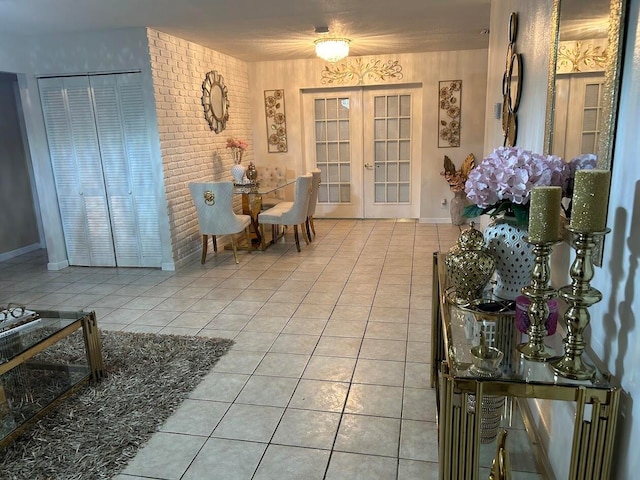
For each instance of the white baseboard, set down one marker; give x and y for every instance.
(57, 265)
(168, 266)
(435, 220)
(19, 251)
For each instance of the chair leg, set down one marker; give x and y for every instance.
(304, 233)
(295, 230)
(262, 245)
(248, 235)
(313, 228)
(205, 242)
(215, 244)
(306, 224)
(235, 249)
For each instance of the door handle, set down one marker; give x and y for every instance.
(368, 165)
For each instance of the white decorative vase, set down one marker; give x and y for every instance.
(456, 207)
(237, 172)
(514, 256)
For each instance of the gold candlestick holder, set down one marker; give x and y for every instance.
(579, 296)
(539, 292)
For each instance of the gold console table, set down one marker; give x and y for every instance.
(459, 390)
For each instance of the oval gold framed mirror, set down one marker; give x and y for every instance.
(515, 85)
(215, 101)
(513, 27)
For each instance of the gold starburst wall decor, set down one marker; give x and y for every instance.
(359, 71)
(578, 57)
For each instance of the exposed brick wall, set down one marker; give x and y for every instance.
(191, 151)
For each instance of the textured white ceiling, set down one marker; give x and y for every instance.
(255, 30)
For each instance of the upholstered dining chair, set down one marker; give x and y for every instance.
(313, 201)
(271, 176)
(291, 213)
(214, 204)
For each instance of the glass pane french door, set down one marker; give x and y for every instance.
(366, 143)
(333, 143)
(391, 153)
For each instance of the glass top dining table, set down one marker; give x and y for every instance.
(259, 189)
(252, 205)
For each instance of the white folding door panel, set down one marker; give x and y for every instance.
(77, 168)
(126, 162)
(101, 157)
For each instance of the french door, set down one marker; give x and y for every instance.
(366, 142)
(578, 114)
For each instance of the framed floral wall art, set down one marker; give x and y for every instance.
(276, 121)
(449, 113)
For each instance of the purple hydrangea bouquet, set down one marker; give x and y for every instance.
(502, 182)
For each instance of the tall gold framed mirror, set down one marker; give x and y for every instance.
(584, 78)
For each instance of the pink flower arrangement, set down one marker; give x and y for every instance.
(237, 144)
(503, 181)
(237, 147)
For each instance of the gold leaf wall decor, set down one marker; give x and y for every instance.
(579, 56)
(276, 121)
(359, 71)
(449, 113)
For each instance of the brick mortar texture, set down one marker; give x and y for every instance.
(191, 151)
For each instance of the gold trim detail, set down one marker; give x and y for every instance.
(591, 56)
(361, 71)
(209, 197)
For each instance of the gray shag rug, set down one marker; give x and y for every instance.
(94, 433)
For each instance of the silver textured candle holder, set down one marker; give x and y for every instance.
(579, 296)
(539, 292)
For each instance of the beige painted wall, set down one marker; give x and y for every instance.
(533, 42)
(423, 68)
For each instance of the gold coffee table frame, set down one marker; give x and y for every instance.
(93, 349)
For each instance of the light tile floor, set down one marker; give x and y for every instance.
(329, 374)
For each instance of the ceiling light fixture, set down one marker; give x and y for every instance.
(332, 49)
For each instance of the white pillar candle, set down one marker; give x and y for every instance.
(590, 199)
(544, 214)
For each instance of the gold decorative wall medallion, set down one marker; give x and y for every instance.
(360, 71)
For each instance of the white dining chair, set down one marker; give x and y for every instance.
(214, 205)
(272, 176)
(291, 213)
(313, 201)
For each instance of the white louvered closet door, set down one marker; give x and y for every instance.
(77, 168)
(126, 163)
(112, 115)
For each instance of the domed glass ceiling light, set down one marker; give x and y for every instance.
(331, 49)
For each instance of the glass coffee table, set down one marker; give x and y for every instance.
(42, 362)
